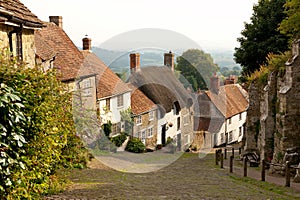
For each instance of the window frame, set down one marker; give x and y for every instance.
(120, 101)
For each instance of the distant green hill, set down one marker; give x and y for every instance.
(118, 61)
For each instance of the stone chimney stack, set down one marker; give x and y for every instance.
(215, 83)
(56, 20)
(86, 43)
(134, 62)
(169, 60)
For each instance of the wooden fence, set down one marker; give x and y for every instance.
(220, 156)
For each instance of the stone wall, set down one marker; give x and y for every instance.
(28, 44)
(273, 116)
(253, 118)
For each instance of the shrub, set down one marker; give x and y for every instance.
(119, 139)
(49, 129)
(135, 145)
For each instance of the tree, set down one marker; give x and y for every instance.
(261, 36)
(196, 67)
(291, 24)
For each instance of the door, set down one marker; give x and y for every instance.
(163, 134)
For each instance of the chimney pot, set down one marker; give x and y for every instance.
(169, 60)
(56, 20)
(134, 62)
(86, 43)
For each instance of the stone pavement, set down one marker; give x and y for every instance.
(192, 176)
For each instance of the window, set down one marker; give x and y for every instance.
(86, 86)
(87, 83)
(107, 104)
(120, 100)
(116, 128)
(151, 115)
(18, 44)
(230, 136)
(19, 49)
(136, 134)
(222, 137)
(240, 116)
(178, 123)
(240, 131)
(143, 136)
(139, 120)
(150, 132)
(229, 120)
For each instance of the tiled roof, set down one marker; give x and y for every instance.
(140, 103)
(16, 9)
(73, 63)
(52, 39)
(231, 100)
(108, 83)
(161, 86)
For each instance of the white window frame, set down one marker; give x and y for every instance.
(151, 115)
(139, 120)
(150, 132)
(230, 136)
(229, 120)
(240, 116)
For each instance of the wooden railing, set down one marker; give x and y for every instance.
(220, 156)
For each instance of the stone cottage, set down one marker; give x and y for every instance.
(17, 25)
(175, 104)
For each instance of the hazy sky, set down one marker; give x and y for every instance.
(213, 24)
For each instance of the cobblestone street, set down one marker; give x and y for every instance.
(188, 178)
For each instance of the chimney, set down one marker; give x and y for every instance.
(86, 43)
(56, 20)
(134, 62)
(169, 60)
(214, 83)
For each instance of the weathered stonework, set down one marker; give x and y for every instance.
(273, 117)
(28, 45)
(267, 121)
(288, 116)
(253, 118)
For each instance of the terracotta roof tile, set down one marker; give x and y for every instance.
(108, 83)
(140, 103)
(231, 100)
(17, 9)
(68, 58)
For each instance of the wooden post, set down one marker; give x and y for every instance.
(216, 157)
(233, 152)
(287, 174)
(222, 160)
(225, 153)
(245, 166)
(231, 164)
(263, 170)
(240, 151)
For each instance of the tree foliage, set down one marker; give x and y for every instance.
(196, 67)
(291, 24)
(47, 127)
(261, 36)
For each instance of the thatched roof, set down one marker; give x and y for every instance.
(161, 86)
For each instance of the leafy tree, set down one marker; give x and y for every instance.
(196, 67)
(291, 24)
(261, 36)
